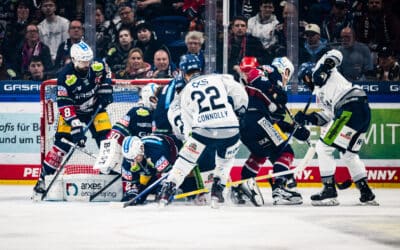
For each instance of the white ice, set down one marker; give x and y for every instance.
(78, 225)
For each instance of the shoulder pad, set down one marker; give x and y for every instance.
(111, 51)
(97, 66)
(142, 112)
(70, 79)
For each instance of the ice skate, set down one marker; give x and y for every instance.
(217, 190)
(327, 197)
(283, 196)
(39, 189)
(167, 193)
(367, 197)
(252, 191)
(236, 195)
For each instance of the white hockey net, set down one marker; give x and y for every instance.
(125, 96)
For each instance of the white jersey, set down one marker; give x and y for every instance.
(175, 119)
(54, 33)
(206, 108)
(335, 89)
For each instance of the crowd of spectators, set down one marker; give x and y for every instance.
(36, 35)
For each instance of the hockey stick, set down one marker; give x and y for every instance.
(194, 192)
(145, 191)
(83, 150)
(69, 154)
(93, 196)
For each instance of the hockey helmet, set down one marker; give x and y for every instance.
(148, 94)
(305, 74)
(132, 146)
(81, 55)
(190, 62)
(285, 68)
(248, 63)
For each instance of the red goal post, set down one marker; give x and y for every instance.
(125, 95)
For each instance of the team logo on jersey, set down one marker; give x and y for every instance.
(192, 147)
(97, 66)
(142, 112)
(161, 164)
(70, 79)
(61, 91)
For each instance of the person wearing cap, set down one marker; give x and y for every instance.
(357, 59)
(388, 68)
(314, 46)
(147, 41)
(339, 18)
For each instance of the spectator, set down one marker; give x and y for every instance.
(194, 11)
(53, 29)
(357, 60)
(135, 68)
(6, 73)
(244, 8)
(118, 54)
(36, 70)
(32, 46)
(314, 46)
(162, 66)
(75, 32)
(339, 18)
(147, 41)
(377, 27)
(127, 18)
(194, 41)
(15, 31)
(263, 25)
(105, 33)
(388, 69)
(242, 44)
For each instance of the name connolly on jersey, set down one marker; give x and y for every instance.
(212, 116)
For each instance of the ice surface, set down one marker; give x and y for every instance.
(77, 225)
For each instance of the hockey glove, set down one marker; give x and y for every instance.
(77, 134)
(303, 119)
(104, 95)
(131, 193)
(322, 74)
(302, 134)
(280, 96)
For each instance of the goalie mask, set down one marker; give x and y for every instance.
(132, 147)
(305, 74)
(81, 56)
(148, 95)
(285, 68)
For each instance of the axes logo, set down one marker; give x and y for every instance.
(72, 189)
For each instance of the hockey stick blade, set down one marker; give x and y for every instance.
(69, 154)
(184, 195)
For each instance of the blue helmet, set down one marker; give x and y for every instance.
(190, 62)
(305, 74)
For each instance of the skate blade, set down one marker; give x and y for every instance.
(326, 202)
(369, 203)
(292, 201)
(162, 203)
(36, 197)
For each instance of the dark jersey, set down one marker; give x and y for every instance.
(137, 122)
(76, 95)
(160, 116)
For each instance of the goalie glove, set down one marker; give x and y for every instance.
(301, 134)
(77, 134)
(105, 95)
(110, 157)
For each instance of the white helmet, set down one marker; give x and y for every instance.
(81, 52)
(132, 146)
(283, 64)
(148, 91)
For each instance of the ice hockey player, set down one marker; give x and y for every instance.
(136, 122)
(209, 108)
(346, 114)
(82, 86)
(145, 159)
(262, 130)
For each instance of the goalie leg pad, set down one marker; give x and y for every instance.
(110, 156)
